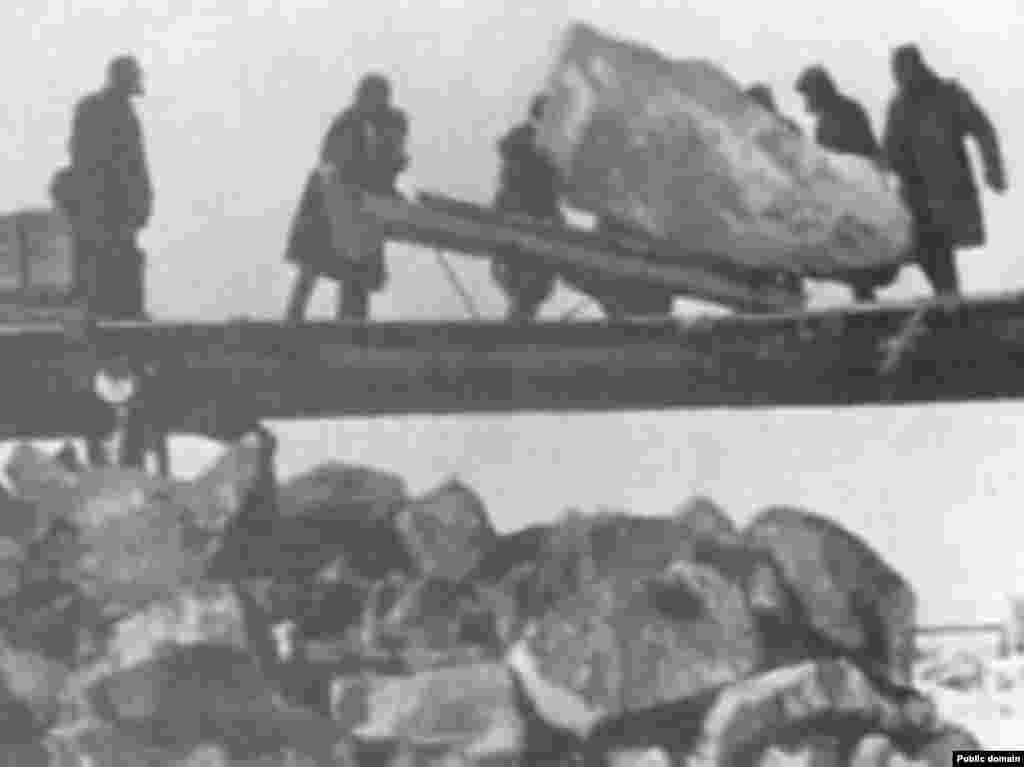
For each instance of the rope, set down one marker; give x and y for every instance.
(453, 278)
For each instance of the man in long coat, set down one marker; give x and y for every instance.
(843, 126)
(928, 120)
(365, 149)
(107, 194)
(529, 185)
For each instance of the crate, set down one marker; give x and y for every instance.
(36, 256)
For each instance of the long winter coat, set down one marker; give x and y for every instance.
(112, 187)
(367, 152)
(924, 145)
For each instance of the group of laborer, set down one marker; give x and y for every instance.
(923, 145)
(107, 193)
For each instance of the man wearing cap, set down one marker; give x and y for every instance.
(365, 149)
(107, 194)
(928, 120)
(843, 126)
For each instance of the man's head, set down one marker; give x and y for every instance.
(373, 93)
(816, 85)
(762, 94)
(908, 67)
(124, 75)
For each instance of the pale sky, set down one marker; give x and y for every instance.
(239, 96)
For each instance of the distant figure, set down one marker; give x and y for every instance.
(529, 185)
(928, 120)
(843, 126)
(364, 147)
(762, 95)
(107, 195)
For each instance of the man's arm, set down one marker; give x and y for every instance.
(977, 124)
(871, 146)
(134, 175)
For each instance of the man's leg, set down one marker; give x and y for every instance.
(87, 279)
(302, 290)
(135, 287)
(938, 262)
(526, 288)
(353, 300)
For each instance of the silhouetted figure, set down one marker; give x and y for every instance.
(529, 185)
(762, 95)
(927, 122)
(107, 194)
(364, 148)
(843, 126)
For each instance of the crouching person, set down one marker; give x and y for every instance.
(529, 186)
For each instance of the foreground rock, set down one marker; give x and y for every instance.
(208, 694)
(815, 707)
(447, 531)
(336, 486)
(140, 538)
(847, 591)
(583, 548)
(466, 711)
(624, 643)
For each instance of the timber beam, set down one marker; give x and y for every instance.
(205, 375)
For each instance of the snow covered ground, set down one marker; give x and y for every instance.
(974, 687)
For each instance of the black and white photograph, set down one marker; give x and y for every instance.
(500, 383)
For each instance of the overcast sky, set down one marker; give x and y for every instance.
(240, 95)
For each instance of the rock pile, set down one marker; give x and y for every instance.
(337, 620)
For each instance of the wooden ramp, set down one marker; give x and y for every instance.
(207, 377)
(441, 222)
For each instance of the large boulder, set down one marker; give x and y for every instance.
(703, 518)
(219, 494)
(296, 548)
(338, 486)
(582, 548)
(447, 531)
(814, 711)
(199, 694)
(31, 682)
(625, 643)
(207, 613)
(828, 698)
(466, 712)
(42, 483)
(434, 620)
(141, 538)
(848, 593)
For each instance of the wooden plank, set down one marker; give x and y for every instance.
(209, 375)
(400, 220)
(634, 246)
